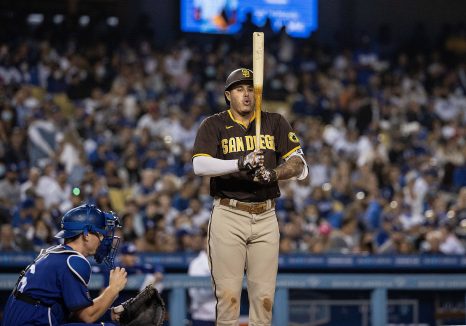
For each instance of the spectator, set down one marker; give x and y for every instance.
(54, 188)
(8, 239)
(29, 188)
(10, 189)
(44, 134)
(387, 125)
(450, 242)
(203, 301)
(346, 239)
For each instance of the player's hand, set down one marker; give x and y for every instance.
(265, 176)
(115, 315)
(158, 277)
(251, 161)
(118, 278)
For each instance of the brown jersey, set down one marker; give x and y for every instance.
(221, 136)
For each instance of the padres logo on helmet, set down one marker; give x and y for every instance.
(245, 72)
(292, 136)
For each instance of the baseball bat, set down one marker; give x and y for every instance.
(258, 79)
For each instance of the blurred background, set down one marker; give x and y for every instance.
(100, 101)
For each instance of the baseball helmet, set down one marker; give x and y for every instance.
(241, 75)
(89, 219)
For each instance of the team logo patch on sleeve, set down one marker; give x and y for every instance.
(292, 136)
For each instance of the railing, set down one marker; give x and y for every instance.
(305, 262)
(379, 285)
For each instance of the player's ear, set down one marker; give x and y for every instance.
(228, 95)
(85, 236)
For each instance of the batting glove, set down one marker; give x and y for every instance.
(265, 176)
(251, 161)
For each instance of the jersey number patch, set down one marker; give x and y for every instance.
(24, 280)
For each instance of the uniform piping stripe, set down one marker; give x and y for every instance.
(290, 152)
(74, 271)
(212, 265)
(49, 315)
(201, 154)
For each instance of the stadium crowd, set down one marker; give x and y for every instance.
(113, 123)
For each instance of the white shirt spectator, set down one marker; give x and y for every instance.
(409, 221)
(452, 246)
(175, 63)
(155, 126)
(10, 75)
(446, 109)
(54, 195)
(31, 183)
(415, 198)
(10, 192)
(202, 299)
(69, 157)
(302, 190)
(320, 174)
(200, 217)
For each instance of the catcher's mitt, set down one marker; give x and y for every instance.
(145, 309)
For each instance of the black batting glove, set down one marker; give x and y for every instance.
(251, 161)
(265, 176)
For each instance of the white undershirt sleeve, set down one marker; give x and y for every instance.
(213, 167)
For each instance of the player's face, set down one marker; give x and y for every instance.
(94, 242)
(241, 99)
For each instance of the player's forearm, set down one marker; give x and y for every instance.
(99, 307)
(291, 168)
(212, 167)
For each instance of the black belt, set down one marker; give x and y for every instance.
(24, 297)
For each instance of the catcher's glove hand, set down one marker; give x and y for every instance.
(145, 309)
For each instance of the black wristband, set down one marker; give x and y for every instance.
(273, 175)
(241, 166)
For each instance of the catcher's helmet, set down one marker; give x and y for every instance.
(241, 75)
(89, 219)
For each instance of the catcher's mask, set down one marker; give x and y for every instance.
(241, 75)
(89, 219)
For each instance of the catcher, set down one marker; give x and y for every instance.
(53, 289)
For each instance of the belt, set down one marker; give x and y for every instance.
(252, 208)
(26, 298)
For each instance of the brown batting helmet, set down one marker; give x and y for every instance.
(241, 75)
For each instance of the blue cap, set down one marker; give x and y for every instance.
(182, 232)
(27, 203)
(12, 167)
(128, 249)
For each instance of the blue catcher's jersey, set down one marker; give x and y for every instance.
(58, 278)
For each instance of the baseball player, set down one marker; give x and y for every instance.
(53, 289)
(243, 230)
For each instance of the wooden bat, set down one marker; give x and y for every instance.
(258, 79)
